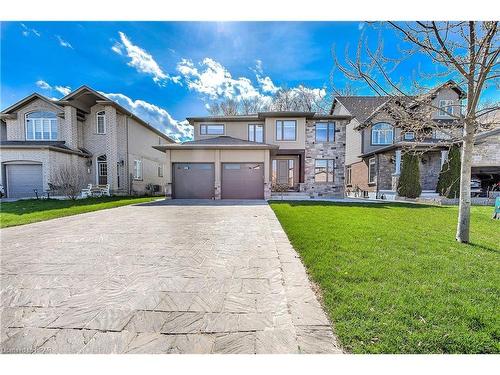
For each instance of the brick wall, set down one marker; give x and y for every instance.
(322, 150)
(487, 152)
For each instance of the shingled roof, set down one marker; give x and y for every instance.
(361, 107)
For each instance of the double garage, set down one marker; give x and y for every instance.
(238, 181)
(223, 172)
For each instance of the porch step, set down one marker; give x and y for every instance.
(289, 195)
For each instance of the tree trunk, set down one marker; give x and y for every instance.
(463, 226)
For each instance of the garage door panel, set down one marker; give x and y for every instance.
(242, 181)
(193, 180)
(23, 179)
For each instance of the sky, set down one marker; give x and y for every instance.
(167, 71)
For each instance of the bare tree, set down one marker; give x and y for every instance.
(69, 181)
(233, 107)
(466, 51)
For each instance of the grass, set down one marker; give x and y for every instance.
(33, 210)
(393, 278)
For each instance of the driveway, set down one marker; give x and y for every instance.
(162, 277)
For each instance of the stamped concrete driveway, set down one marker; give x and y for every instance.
(164, 277)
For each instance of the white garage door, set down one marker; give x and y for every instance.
(22, 179)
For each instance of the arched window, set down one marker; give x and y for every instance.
(382, 134)
(101, 122)
(41, 126)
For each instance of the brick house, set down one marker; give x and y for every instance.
(376, 141)
(106, 142)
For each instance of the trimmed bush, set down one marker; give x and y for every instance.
(449, 177)
(409, 179)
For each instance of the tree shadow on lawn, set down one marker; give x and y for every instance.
(364, 204)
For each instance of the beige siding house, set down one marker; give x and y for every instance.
(107, 143)
(250, 157)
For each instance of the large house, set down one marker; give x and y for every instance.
(378, 135)
(105, 142)
(245, 157)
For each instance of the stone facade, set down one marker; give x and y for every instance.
(487, 152)
(325, 150)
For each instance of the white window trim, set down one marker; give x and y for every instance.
(370, 180)
(444, 104)
(97, 115)
(51, 120)
(160, 170)
(206, 125)
(138, 172)
(412, 136)
(373, 131)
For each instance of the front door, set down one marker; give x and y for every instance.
(284, 172)
(102, 173)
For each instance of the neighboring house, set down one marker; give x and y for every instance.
(377, 138)
(249, 157)
(107, 143)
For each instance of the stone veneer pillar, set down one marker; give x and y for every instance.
(111, 147)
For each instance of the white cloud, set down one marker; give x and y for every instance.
(155, 116)
(140, 59)
(63, 43)
(215, 81)
(28, 31)
(43, 85)
(65, 90)
(267, 84)
(258, 67)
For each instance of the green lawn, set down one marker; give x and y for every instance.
(394, 280)
(33, 210)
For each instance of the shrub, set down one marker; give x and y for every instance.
(69, 181)
(449, 177)
(409, 180)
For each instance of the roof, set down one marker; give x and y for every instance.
(262, 115)
(486, 134)
(417, 145)
(217, 143)
(52, 145)
(361, 107)
(29, 99)
(66, 100)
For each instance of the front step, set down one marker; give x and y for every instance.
(290, 195)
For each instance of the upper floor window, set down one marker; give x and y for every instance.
(41, 126)
(212, 129)
(137, 169)
(446, 108)
(256, 133)
(101, 122)
(382, 134)
(286, 130)
(325, 132)
(409, 136)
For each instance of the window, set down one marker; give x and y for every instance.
(101, 122)
(41, 126)
(160, 170)
(445, 107)
(212, 129)
(137, 169)
(348, 175)
(286, 130)
(325, 132)
(382, 134)
(256, 133)
(323, 170)
(409, 136)
(372, 171)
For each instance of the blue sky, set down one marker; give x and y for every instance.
(166, 71)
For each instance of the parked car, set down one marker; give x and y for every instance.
(475, 187)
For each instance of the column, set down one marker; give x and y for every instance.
(69, 133)
(397, 171)
(444, 157)
(112, 147)
(218, 172)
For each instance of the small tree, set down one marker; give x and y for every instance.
(449, 177)
(69, 181)
(409, 180)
